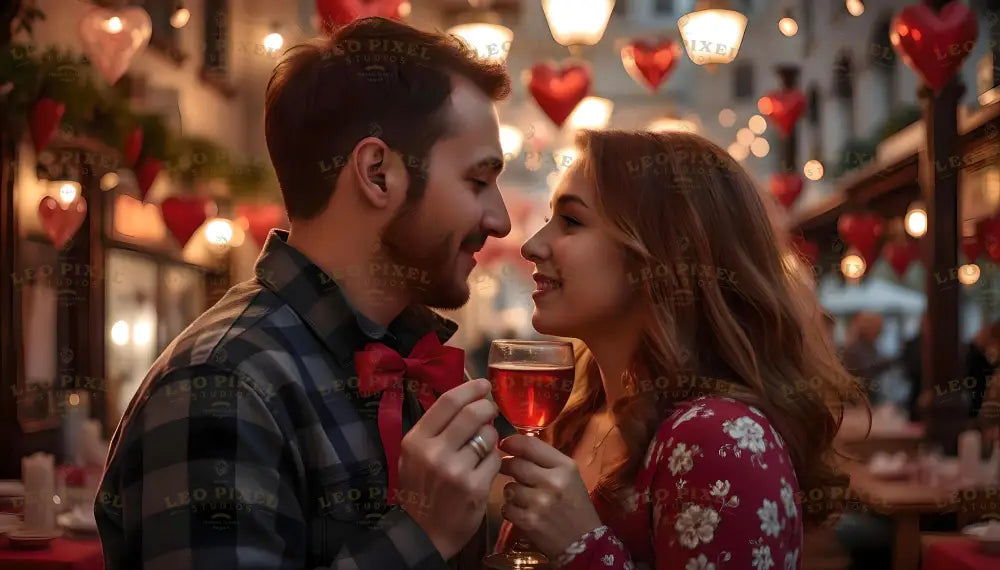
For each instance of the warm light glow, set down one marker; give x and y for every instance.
(738, 151)
(491, 41)
(916, 220)
(119, 333)
(760, 147)
(109, 181)
(219, 231)
(757, 124)
(765, 105)
(592, 113)
(564, 157)
(813, 170)
(668, 124)
(273, 41)
(969, 274)
(113, 25)
(727, 117)
(180, 18)
(142, 333)
(74, 399)
(68, 191)
(511, 140)
(405, 9)
(577, 22)
(712, 36)
(855, 7)
(745, 137)
(853, 266)
(788, 26)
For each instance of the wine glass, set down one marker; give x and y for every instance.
(532, 380)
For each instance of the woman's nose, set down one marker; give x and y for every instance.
(535, 249)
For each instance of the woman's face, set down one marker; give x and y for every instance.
(581, 286)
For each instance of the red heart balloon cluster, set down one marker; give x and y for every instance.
(336, 13)
(559, 90)
(649, 65)
(933, 44)
(786, 188)
(863, 232)
(900, 254)
(786, 106)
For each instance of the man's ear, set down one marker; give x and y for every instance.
(376, 169)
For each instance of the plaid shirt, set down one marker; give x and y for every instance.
(248, 446)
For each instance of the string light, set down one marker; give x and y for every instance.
(727, 117)
(760, 147)
(916, 220)
(757, 124)
(180, 17)
(787, 25)
(813, 170)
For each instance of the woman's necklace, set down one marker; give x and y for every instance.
(593, 451)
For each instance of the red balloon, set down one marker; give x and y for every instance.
(787, 106)
(934, 44)
(133, 146)
(972, 246)
(807, 250)
(989, 231)
(336, 13)
(45, 118)
(863, 232)
(183, 215)
(261, 218)
(649, 65)
(559, 91)
(61, 223)
(786, 188)
(900, 255)
(146, 175)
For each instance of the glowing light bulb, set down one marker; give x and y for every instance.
(727, 117)
(757, 124)
(68, 192)
(744, 136)
(788, 26)
(738, 151)
(916, 220)
(855, 7)
(180, 18)
(760, 147)
(813, 170)
(113, 25)
(853, 266)
(142, 333)
(219, 232)
(119, 333)
(969, 274)
(273, 41)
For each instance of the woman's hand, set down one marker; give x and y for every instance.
(547, 499)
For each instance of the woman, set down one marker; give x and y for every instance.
(699, 430)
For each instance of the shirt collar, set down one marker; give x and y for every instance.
(318, 300)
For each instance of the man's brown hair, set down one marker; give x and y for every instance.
(373, 77)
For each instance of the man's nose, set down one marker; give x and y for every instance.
(497, 219)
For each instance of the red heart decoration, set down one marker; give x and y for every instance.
(787, 106)
(559, 91)
(863, 232)
(972, 246)
(261, 218)
(900, 255)
(183, 215)
(786, 188)
(807, 250)
(934, 44)
(989, 232)
(336, 13)
(61, 223)
(45, 118)
(649, 65)
(133, 146)
(146, 175)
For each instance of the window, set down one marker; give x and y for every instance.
(743, 80)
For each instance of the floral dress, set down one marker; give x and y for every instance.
(717, 491)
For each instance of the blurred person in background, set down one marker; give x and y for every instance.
(861, 356)
(912, 360)
(981, 359)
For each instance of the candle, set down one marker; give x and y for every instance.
(77, 412)
(970, 455)
(38, 471)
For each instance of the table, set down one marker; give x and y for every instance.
(904, 501)
(62, 554)
(854, 439)
(958, 554)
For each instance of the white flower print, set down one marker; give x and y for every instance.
(690, 414)
(720, 489)
(700, 563)
(631, 503)
(762, 558)
(608, 559)
(599, 531)
(792, 560)
(768, 514)
(628, 565)
(747, 433)
(696, 524)
(649, 452)
(681, 460)
(788, 498)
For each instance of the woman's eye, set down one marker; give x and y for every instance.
(571, 221)
(478, 184)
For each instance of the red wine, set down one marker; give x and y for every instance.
(530, 395)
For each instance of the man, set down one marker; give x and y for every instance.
(254, 441)
(861, 357)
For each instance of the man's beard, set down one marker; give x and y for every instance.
(432, 258)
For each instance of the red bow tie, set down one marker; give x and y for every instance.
(430, 369)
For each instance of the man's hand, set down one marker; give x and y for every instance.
(444, 483)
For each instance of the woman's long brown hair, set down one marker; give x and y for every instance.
(731, 313)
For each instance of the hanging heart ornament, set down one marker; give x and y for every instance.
(933, 44)
(558, 90)
(336, 13)
(61, 222)
(111, 38)
(649, 65)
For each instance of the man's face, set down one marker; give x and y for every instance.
(460, 208)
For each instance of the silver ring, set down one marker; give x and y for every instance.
(479, 445)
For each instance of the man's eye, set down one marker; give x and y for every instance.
(571, 221)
